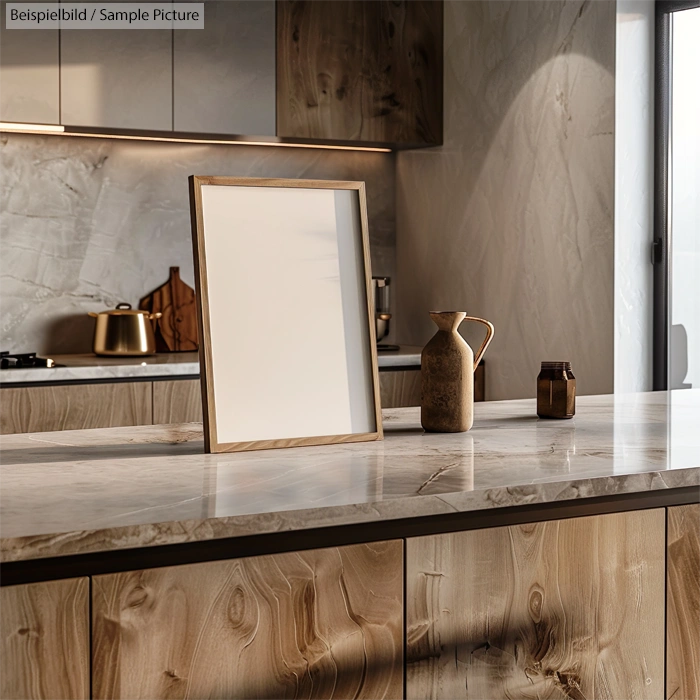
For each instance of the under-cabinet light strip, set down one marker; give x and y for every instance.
(54, 130)
(31, 128)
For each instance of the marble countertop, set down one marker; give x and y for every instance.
(101, 490)
(89, 367)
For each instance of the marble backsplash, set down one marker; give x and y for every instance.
(87, 223)
(513, 218)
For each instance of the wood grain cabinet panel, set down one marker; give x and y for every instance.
(177, 401)
(683, 604)
(28, 74)
(318, 624)
(360, 71)
(399, 388)
(224, 74)
(45, 640)
(75, 406)
(561, 609)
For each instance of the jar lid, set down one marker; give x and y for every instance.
(557, 365)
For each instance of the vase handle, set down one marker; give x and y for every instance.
(487, 339)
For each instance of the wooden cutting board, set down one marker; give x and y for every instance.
(176, 330)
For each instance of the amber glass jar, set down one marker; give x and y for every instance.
(556, 391)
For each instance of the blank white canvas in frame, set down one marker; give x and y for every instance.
(288, 316)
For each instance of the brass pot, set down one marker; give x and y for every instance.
(124, 331)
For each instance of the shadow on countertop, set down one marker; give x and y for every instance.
(97, 453)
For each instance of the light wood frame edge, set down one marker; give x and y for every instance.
(211, 442)
(203, 327)
(364, 225)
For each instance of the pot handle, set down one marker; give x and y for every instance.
(154, 316)
(124, 306)
(93, 314)
(487, 339)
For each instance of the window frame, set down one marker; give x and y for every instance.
(662, 124)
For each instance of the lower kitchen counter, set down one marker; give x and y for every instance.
(44, 407)
(77, 492)
(88, 367)
(105, 392)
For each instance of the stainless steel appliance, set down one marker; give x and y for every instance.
(382, 315)
(24, 360)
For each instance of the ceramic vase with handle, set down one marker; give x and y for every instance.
(447, 374)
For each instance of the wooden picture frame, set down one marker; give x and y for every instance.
(311, 235)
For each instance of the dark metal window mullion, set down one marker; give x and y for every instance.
(661, 250)
(669, 6)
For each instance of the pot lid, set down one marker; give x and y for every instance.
(122, 309)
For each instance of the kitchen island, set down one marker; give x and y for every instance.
(524, 557)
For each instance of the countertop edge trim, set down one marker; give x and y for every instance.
(129, 378)
(157, 556)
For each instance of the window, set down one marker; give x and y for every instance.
(677, 215)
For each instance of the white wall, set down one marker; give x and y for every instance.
(634, 194)
(512, 219)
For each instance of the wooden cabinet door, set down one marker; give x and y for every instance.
(45, 649)
(224, 74)
(75, 406)
(177, 401)
(117, 78)
(683, 604)
(399, 388)
(28, 74)
(360, 71)
(318, 624)
(562, 609)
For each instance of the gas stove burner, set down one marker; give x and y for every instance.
(23, 360)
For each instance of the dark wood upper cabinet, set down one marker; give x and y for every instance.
(370, 71)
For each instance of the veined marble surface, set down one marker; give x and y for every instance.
(88, 367)
(512, 219)
(87, 223)
(101, 490)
